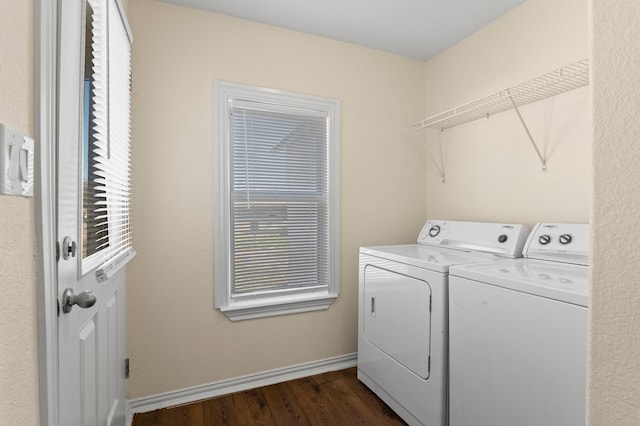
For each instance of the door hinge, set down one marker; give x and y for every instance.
(126, 368)
(57, 251)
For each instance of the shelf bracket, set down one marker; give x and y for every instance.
(442, 156)
(438, 163)
(526, 129)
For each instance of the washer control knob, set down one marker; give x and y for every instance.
(565, 239)
(434, 231)
(502, 238)
(544, 239)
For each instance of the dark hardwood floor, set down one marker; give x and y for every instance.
(335, 398)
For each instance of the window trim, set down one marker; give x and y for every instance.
(299, 301)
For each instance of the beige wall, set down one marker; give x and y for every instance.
(176, 339)
(492, 172)
(614, 364)
(18, 334)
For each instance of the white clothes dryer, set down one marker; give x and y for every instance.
(402, 312)
(518, 334)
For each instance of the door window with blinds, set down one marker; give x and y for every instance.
(277, 186)
(105, 122)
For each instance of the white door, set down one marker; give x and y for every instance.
(91, 326)
(397, 317)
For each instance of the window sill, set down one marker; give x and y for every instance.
(238, 311)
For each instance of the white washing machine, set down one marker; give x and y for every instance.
(518, 334)
(402, 312)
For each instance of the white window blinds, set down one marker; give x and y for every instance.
(113, 153)
(277, 194)
(279, 199)
(95, 132)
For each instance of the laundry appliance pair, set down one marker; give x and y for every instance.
(417, 301)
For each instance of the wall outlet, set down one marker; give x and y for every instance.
(16, 163)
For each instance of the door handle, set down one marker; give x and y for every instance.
(86, 299)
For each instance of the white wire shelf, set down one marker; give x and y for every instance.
(554, 83)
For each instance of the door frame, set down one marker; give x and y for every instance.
(45, 25)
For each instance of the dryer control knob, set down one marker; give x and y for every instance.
(565, 239)
(434, 231)
(544, 239)
(502, 238)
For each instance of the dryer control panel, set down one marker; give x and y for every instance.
(504, 239)
(559, 242)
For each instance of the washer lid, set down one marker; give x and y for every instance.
(436, 259)
(553, 280)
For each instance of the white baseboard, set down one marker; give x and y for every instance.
(238, 384)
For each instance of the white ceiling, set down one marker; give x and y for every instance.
(414, 28)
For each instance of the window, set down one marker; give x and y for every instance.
(106, 233)
(276, 227)
(94, 131)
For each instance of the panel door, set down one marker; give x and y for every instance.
(91, 334)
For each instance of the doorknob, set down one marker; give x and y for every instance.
(86, 299)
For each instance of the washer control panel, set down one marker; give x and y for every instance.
(498, 238)
(561, 242)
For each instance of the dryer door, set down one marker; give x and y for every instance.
(397, 317)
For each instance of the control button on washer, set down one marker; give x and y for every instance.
(544, 239)
(502, 238)
(434, 231)
(565, 239)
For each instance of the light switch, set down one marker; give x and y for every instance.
(14, 152)
(16, 163)
(24, 163)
